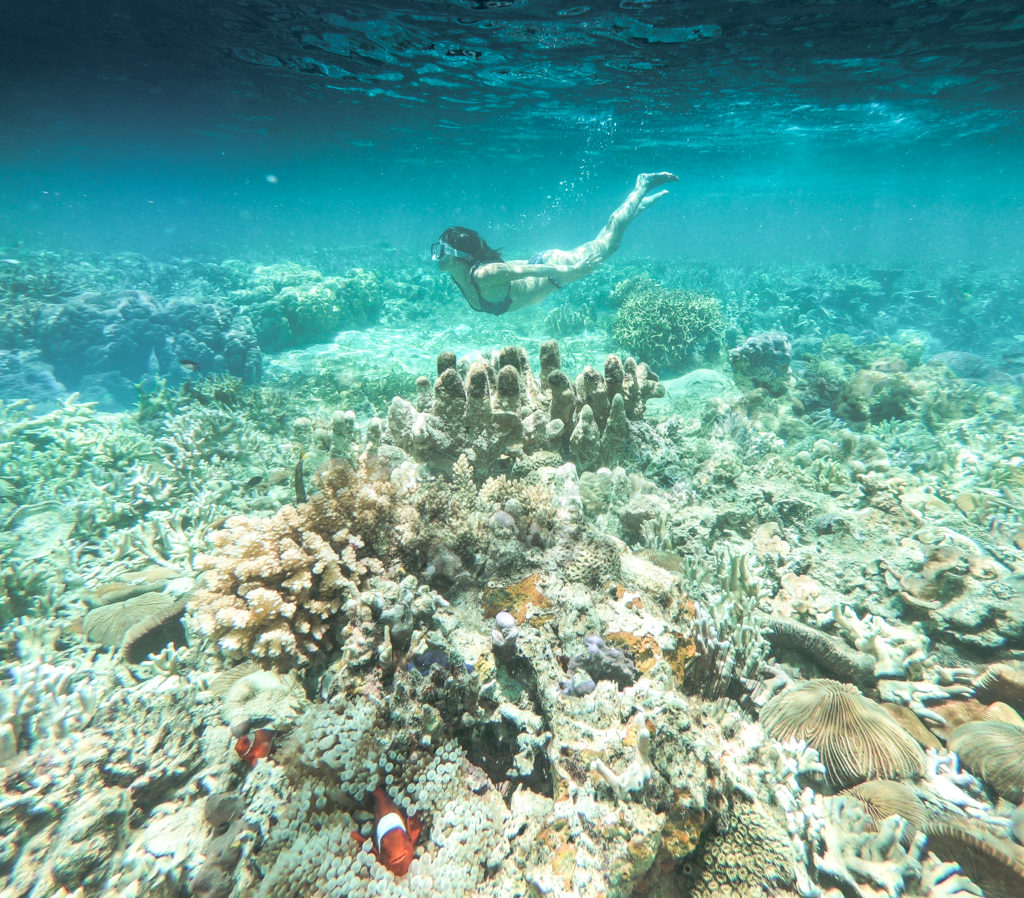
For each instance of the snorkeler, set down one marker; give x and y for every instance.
(492, 285)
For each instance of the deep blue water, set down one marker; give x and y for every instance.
(879, 131)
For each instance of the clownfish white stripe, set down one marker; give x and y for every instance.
(387, 823)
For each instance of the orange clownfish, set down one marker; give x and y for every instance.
(255, 745)
(394, 835)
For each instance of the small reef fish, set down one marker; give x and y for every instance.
(394, 835)
(255, 745)
(190, 366)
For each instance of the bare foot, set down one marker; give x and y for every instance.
(650, 180)
(650, 200)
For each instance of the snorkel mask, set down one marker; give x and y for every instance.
(440, 249)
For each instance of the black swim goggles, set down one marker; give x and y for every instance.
(441, 249)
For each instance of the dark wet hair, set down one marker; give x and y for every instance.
(469, 241)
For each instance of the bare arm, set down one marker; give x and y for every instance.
(499, 273)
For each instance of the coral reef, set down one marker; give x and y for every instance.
(671, 328)
(541, 623)
(498, 410)
(762, 362)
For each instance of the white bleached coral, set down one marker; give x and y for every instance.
(639, 771)
(41, 703)
(839, 850)
(900, 651)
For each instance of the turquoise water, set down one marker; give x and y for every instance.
(703, 576)
(819, 133)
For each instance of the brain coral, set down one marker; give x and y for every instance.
(275, 585)
(856, 738)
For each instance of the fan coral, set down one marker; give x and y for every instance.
(856, 739)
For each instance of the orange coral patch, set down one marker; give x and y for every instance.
(678, 654)
(643, 650)
(516, 598)
(563, 863)
(682, 832)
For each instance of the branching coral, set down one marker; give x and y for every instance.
(670, 327)
(276, 584)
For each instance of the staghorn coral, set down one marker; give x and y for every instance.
(856, 739)
(500, 410)
(671, 327)
(899, 651)
(41, 703)
(105, 811)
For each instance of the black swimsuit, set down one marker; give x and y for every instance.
(501, 307)
(491, 308)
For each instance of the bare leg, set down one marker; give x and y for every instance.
(608, 240)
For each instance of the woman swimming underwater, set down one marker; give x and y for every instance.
(492, 285)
